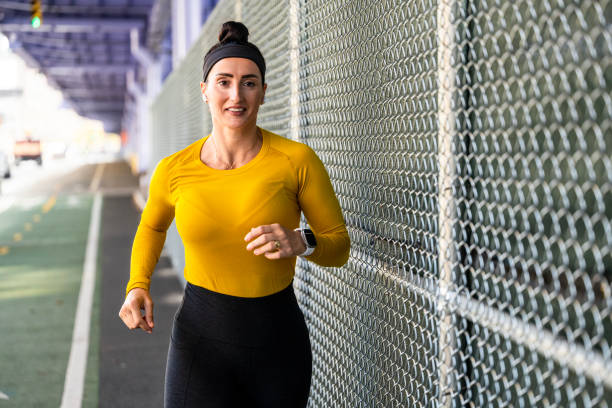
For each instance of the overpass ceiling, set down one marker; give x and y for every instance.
(83, 48)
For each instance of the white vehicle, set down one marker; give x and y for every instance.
(5, 168)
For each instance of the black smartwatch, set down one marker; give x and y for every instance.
(309, 240)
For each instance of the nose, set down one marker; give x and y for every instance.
(235, 91)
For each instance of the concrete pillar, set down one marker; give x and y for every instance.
(194, 17)
(179, 31)
(144, 97)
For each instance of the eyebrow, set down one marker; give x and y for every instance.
(231, 76)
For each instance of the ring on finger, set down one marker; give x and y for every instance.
(277, 244)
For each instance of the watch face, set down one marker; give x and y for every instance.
(310, 238)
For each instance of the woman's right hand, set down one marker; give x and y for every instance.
(138, 299)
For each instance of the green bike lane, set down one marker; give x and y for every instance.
(42, 251)
(43, 245)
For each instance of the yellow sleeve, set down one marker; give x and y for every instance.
(151, 233)
(322, 211)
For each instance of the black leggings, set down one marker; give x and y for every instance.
(227, 351)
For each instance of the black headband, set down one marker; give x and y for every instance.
(234, 50)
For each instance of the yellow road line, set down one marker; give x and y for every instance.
(17, 236)
(49, 204)
(36, 218)
(28, 226)
(4, 250)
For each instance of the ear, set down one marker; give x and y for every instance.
(203, 86)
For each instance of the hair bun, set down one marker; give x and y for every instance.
(233, 31)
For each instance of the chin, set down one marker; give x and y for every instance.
(239, 123)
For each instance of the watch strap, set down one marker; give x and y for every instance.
(309, 250)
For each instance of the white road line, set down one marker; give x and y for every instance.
(95, 181)
(77, 362)
(3, 396)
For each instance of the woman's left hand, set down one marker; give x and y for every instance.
(263, 240)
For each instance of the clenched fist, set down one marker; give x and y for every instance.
(136, 301)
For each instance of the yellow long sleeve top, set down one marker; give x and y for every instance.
(215, 209)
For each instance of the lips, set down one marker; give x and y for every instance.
(236, 109)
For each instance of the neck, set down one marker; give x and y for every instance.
(232, 147)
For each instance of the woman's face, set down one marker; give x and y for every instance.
(234, 92)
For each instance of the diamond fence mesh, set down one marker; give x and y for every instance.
(469, 145)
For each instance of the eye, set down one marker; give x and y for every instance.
(222, 82)
(249, 84)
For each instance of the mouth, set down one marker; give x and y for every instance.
(236, 109)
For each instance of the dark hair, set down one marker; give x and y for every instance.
(234, 32)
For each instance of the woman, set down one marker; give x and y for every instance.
(239, 337)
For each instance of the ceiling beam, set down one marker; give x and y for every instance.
(77, 9)
(82, 82)
(94, 106)
(49, 58)
(116, 100)
(102, 92)
(73, 44)
(67, 54)
(71, 25)
(71, 70)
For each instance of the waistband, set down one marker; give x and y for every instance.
(201, 293)
(239, 320)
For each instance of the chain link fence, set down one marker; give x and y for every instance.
(469, 144)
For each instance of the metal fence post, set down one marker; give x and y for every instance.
(446, 168)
